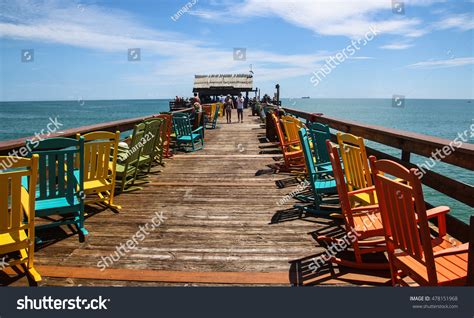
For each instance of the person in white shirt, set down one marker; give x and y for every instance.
(240, 108)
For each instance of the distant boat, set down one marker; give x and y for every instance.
(305, 97)
(469, 101)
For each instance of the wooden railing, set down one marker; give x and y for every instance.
(409, 142)
(6, 147)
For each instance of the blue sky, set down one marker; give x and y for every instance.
(81, 48)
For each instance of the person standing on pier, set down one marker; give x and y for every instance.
(229, 104)
(240, 108)
(196, 98)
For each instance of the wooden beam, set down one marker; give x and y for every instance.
(271, 278)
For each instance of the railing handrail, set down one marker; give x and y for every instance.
(118, 125)
(409, 142)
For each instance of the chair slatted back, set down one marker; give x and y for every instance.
(403, 211)
(152, 136)
(12, 218)
(291, 128)
(136, 145)
(279, 130)
(182, 125)
(338, 172)
(100, 154)
(58, 159)
(166, 132)
(216, 116)
(198, 120)
(308, 157)
(355, 161)
(207, 109)
(319, 134)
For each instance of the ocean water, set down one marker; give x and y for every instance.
(441, 118)
(23, 119)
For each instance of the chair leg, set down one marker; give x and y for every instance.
(34, 273)
(110, 201)
(80, 225)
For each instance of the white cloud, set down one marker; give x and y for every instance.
(326, 17)
(172, 55)
(432, 64)
(463, 22)
(397, 46)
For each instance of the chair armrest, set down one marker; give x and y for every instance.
(364, 190)
(439, 210)
(197, 129)
(463, 248)
(290, 143)
(440, 213)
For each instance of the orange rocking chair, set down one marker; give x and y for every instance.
(415, 255)
(293, 159)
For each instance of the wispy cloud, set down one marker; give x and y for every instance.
(431, 64)
(462, 22)
(396, 46)
(325, 17)
(97, 28)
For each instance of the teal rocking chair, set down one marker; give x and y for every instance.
(185, 135)
(319, 133)
(319, 185)
(60, 188)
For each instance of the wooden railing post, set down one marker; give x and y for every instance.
(406, 156)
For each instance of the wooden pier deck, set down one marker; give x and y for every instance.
(222, 226)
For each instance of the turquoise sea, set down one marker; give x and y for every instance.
(441, 118)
